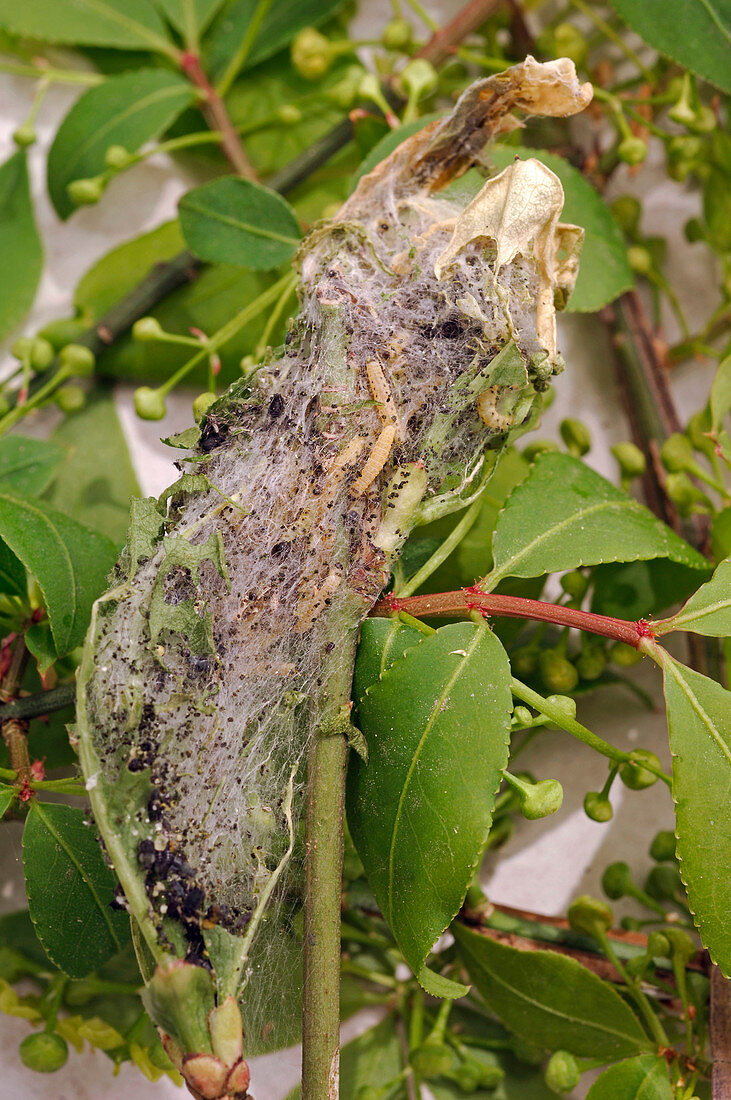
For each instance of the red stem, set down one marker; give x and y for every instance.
(515, 607)
(217, 116)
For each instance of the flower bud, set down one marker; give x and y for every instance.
(472, 1075)
(21, 348)
(557, 673)
(25, 135)
(703, 121)
(86, 192)
(147, 329)
(631, 924)
(537, 799)
(41, 353)
(662, 848)
(590, 916)
(149, 403)
(697, 428)
(676, 453)
(576, 436)
(568, 41)
(63, 331)
(623, 655)
(562, 1072)
(575, 584)
(630, 459)
(617, 881)
(538, 447)
(418, 78)
(682, 947)
(44, 1052)
(632, 150)
(627, 212)
(345, 92)
(118, 157)
(70, 399)
(636, 777)
(525, 1051)
(77, 359)
(563, 703)
(311, 53)
(591, 662)
(640, 259)
(523, 717)
(432, 1058)
(289, 114)
(658, 946)
(637, 965)
(598, 807)
(397, 35)
(684, 494)
(202, 404)
(524, 661)
(664, 882)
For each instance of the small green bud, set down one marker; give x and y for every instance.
(617, 881)
(432, 1058)
(202, 404)
(289, 114)
(525, 1051)
(147, 329)
(397, 35)
(632, 150)
(86, 192)
(630, 459)
(523, 717)
(118, 157)
(591, 662)
(557, 673)
(540, 799)
(575, 584)
(682, 947)
(576, 436)
(43, 1052)
(597, 807)
(70, 399)
(25, 135)
(704, 120)
(682, 113)
(676, 453)
(419, 78)
(524, 661)
(662, 848)
(345, 92)
(472, 1075)
(640, 259)
(637, 965)
(664, 882)
(589, 915)
(149, 403)
(562, 1072)
(658, 946)
(684, 494)
(64, 331)
(570, 42)
(21, 348)
(627, 212)
(538, 447)
(563, 703)
(623, 655)
(631, 924)
(311, 53)
(636, 777)
(77, 359)
(697, 428)
(41, 353)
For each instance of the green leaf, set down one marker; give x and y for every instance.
(119, 270)
(382, 642)
(7, 794)
(564, 515)
(20, 245)
(121, 24)
(642, 1078)
(373, 1059)
(282, 21)
(699, 721)
(721, 394)
(235, 221)
(188, 16)
(96, 480)
(128, 110)
(437, 726)
(604, 271)
(641, 589)
(13, 578)
(27, 465)
(69, 561)
(70, 888)
(695, 33)
(39, 639)
(436, 985)
(551, 999)
(708, 611)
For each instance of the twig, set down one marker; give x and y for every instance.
(721, 1034)
(45, 702)
(217, 116)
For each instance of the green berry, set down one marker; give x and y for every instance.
(77, 359)
(147, 329)
(658, 946)
(575, 584)
(632, 150)
(590, 916)
(637, 965)
(597, 807)
(419, 78)
(617, 881)
(562, 1072)
(662, 848)
(70, 399)
(64, 331)
(564, 704)
(704, 120)
(149, 403)
(25, 135)
(525, 1051)
(568, 41)
(697, 428)
(397, 35)
(682, 947)
(630, 459)
(21, 348)
(627, 211)
(202, 404)
(557, 673)
(631, 924)
(639, 259)
(289, 114)
(538, 447)
(118, 157)
(576, 436)
(523, 717)
(432, 1058)
(311, 54)
(524, 661)
(623, 655)
(676, 453)
(634, 776)
(664, 882)
(684, 494)
(86, 192)
(542, 799)
(591, 662)
(44, 1052)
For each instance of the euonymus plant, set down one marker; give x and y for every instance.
(303, 675)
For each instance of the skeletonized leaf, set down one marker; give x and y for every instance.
(708, 611)
(437, 727)
(551, 999)
(564, 515)
(69, 561)
(20, 245)
(699, 720)
(69, 889)
(125, 110)
(642, 1078)
(119, 24)
(235, 221)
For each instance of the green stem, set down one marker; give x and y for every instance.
(46, 702)
(633, 988)
(56, 76)
(34, 400)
